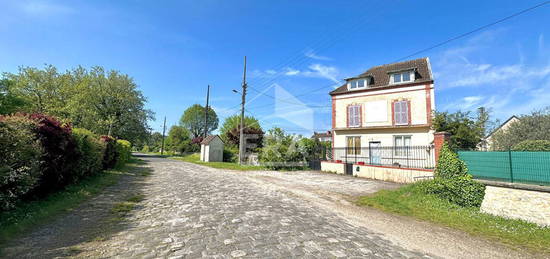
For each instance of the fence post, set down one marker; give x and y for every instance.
(510, 163)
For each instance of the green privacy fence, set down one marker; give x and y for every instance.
(509, 166)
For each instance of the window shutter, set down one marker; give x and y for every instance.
(401, 112)
(405, 112)
(397, 112)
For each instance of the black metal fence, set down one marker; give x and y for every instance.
(418, 157)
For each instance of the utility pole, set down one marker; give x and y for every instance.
(206, 112)
(163, 132)
(241, 130)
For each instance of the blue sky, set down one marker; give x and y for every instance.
(297, 50)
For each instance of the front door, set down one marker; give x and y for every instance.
(374, 153)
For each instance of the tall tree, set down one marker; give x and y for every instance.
(9, 102)
(193, 120)
(466, 130)
(178, 139)
(232, 124)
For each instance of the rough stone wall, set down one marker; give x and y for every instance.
(532, 206)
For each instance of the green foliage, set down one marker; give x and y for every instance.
(281, 150)
(449, 165)
(105, 102)
(9, 102)
(19, 160)
(529, 127)
(90, 149)
(178, 140)
(466, 130)
(230, 154)
(109, 156)
(145, 149)
(123, 152)
(532, 145)
(462, 190)
(231, 125)
(193, 120)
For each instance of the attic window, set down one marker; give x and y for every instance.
(357, 83)
(402, 77)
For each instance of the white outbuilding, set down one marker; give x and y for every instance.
(212, 149)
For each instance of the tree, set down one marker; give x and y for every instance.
(193, 120)
(178, 139)
(466, 131)
(284, 150)
(529, 127)
(232, 123)
(9, 102)
(105, 102)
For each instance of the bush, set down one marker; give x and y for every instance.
(145, 149)
(109, 155)
(230, 154)
(449, 165)
(59, 157)
(90, 149)
(123, 152)
(532, 145)
(20, 160)
(463, 191)
(281, 150)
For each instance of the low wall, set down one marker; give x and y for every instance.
(329, 166)
(392, 174)
(528, 205)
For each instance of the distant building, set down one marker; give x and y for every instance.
(323, 136)
(487, 142)
(212, 149)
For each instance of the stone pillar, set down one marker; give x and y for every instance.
(439, 140)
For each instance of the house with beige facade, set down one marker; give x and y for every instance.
(383, 116)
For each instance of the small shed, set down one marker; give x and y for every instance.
(212, 149)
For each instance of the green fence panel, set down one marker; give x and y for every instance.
(487, 165)
(531, 167)
(515, 166)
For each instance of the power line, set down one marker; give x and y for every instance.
(473, 31)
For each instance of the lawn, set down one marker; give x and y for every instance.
(194, 158)
(410, 201)
(29, 215)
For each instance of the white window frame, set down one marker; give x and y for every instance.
(355, 120)
(405, 113)
(353, 84)
(401, 151)
(411, 77)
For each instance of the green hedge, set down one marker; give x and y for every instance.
(40, 155)
(462, 191)
(91, 152)
(532, 145)
(123, 152)
(19, 162)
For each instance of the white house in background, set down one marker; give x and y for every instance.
(487, 142)
(386, 106)
(322, 136)
(212, 149)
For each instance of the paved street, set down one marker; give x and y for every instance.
(192, 211)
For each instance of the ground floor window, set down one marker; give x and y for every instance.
(353, 145)
(401, 145)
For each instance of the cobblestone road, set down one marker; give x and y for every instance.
(190, 211)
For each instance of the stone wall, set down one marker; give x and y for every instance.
(528, 205)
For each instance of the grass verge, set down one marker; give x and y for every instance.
(28, 215)
(410, 201)
(195, 158)
(122, 209)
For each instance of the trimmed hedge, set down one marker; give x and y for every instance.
(20, 160)
(39, 155)
(532, 145)
(449, 165)
(462, 191)
(123, 152)
(91, 150)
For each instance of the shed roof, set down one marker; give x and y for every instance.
(209, 139)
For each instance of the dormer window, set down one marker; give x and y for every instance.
(357, 83)
(402, 77)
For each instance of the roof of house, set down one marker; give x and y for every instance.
(509, 120)
(379, 75)
(208, 139)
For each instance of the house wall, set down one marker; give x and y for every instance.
(421, 98)
(419, 136)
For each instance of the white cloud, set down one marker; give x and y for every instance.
(311, 54)
(291, 72)
(314, 70)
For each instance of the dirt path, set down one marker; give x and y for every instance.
(191, 211)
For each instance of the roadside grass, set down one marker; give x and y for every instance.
(409, 201)
(195, 158)
(29, 215)
(122, 209)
